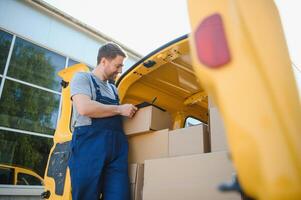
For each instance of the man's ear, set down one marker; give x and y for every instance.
(103, 61)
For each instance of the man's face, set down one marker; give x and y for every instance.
(113, 67)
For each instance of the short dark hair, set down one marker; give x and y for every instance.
(110, 50)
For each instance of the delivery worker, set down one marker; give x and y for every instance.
(99, 147)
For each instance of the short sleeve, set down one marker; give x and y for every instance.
(80, 84)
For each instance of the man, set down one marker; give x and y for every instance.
(99, 148)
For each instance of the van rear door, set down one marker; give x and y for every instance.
(240, 57)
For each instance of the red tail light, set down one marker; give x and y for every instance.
(211, 43)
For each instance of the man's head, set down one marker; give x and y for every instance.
(110, 58)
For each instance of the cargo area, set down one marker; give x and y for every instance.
(177, 143)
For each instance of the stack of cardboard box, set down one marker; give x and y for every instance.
(177, 163)
(150, 137)
(147, 134)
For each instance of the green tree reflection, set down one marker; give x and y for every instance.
(41, 68)
(25, 151)
(5, 41)
(25, 107)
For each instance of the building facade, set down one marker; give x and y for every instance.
(37, 41)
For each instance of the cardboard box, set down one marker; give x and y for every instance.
(149, 145)
(147, 119)
(133, 172)
(217, 129)
(191, 177)
(138, 193)
(186, 141)
(136, 174)
(207, 139)
(132, 176)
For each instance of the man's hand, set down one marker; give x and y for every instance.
(90, 108)
(127, 110)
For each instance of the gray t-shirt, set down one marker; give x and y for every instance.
(82, 83)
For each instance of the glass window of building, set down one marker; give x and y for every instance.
(6, 175)
(72, 62)
(25, 152)
(90, 68)
(36, 65)
(28, 108)
(5, 42)
(28, 179)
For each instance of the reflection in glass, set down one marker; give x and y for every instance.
(36, 65)
(24, 151)
(5, 42)
(27, 108)
(28, 179)
(72, 62)
(90, 68)
(6, 175)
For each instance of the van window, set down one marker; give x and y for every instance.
(190, 121)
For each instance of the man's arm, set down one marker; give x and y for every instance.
(87, 107)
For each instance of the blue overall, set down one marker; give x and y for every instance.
(99, 157)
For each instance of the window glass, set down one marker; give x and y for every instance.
(5, 42)
(90, 68)
(27, 179)
(24, 151)
(6, 175)
(72, 62)
(190, 121)
(36, 65)
(28, 108)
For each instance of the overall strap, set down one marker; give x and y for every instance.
(103, 99)
(115, 93)
(97, 89)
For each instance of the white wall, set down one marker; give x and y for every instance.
(43, 29)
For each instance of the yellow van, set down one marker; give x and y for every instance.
(234, 64)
